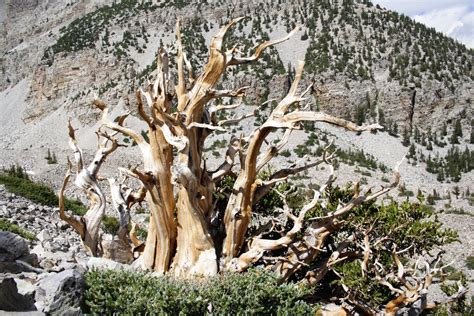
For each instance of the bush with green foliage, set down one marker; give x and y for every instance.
(470, 262)
(5, 225)
(256, 292)
(407, 225)
(18, 183)
(110, 224)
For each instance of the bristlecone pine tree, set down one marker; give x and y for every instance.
(188, 235)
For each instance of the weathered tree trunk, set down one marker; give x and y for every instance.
(179, 187)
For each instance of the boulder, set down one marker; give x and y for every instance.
(15, 256)
(43, 235)
(11, 300)
(12, 246)
(61, 293)
(116, 249)
(104, 264)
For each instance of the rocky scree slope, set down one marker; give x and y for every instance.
(367, 64)
(44, 274)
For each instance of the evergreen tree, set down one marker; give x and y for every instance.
(417, 135)
(456, 191)
(406, 137)
(454, 139)
(48, 156)
(457, 132)
(395, 129)
(412, 152)
(440, 176)
(444, 130)
(458, 128)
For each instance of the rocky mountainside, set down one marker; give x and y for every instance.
(367, 64)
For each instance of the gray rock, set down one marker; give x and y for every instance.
(105, 264)
(29, 313)
(61, 293)
(63, 226)
(12, 246)
(5, 212)
(11, 300)
(43, 235)
(25, 287)
(15, 256)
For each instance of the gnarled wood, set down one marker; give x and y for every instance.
(87, 180)
(239, 208)
(178, 187)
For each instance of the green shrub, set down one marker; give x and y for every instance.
(5, 225)
(285, 153)
(142, 233)
(38, 193)
(110, 224)
(252, 293)
(397, 220)
(470, 262)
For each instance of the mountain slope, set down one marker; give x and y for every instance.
(367, 64)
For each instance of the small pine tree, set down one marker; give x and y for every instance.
(417, 135)
(458, 128)
(360, 115)
(440, 176)
(406, 137)
(456, 191)
(412, 152)
(304, 37)
(457, 132)
(395, 129)
(444, 130)
(381, 117)
(454, 139)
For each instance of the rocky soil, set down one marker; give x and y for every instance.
(45, 275)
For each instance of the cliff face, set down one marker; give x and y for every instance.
(70, 50)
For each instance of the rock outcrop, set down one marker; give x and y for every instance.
(61, 293)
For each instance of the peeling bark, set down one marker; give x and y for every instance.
(178, 187)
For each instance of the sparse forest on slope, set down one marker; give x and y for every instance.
(351, 45)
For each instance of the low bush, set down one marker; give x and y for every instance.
(44, 195)
(252, 293)
(470, 262)
(38, 193)
(110, 224)
(5, 225)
